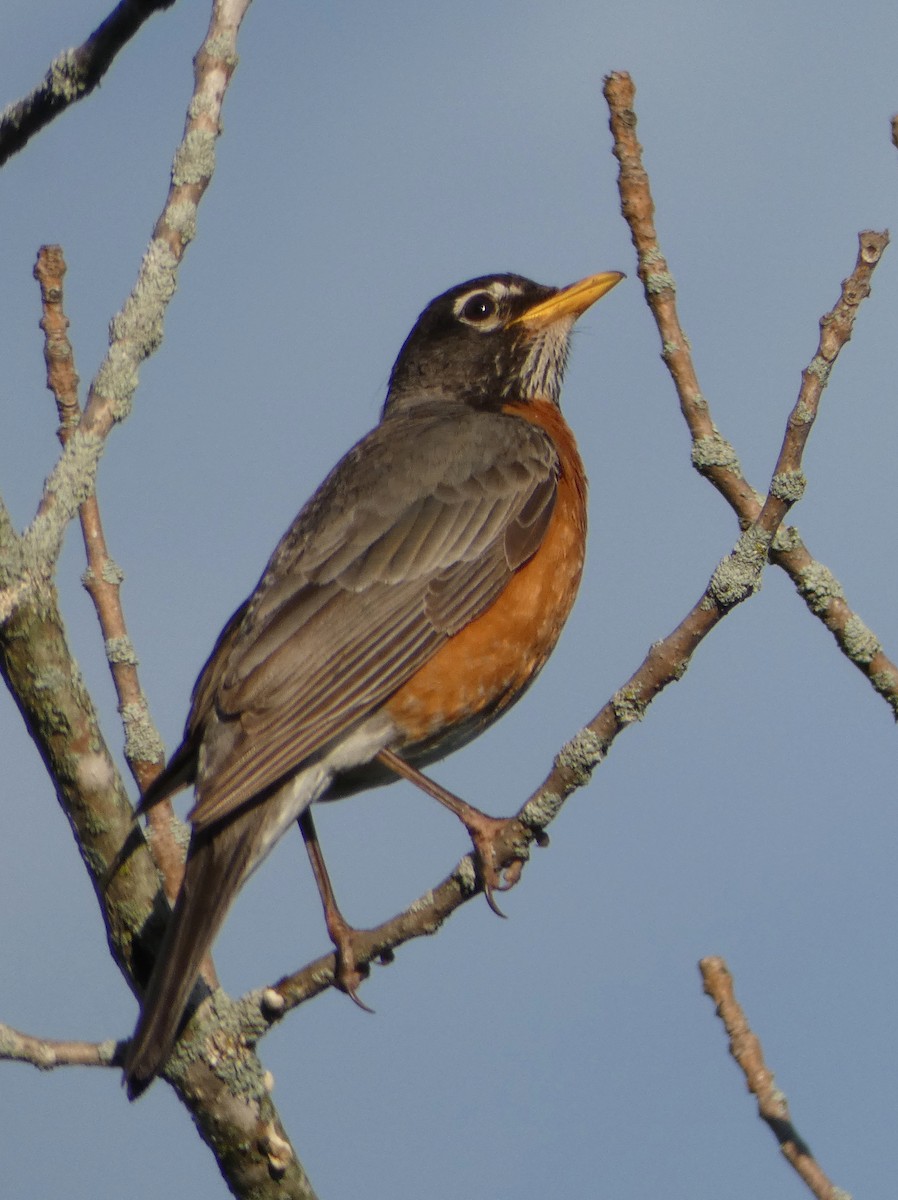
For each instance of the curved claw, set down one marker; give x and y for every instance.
(348, 976)
(353, 995)
(488, 890)
(493, 878)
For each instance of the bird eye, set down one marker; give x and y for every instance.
(479, 307)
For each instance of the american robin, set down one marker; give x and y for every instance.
(414, 599)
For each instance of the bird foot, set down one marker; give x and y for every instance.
(348, 975)
(487, 834)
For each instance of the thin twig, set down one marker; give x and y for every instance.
(773, 1108)
(46, 1054)
(144, 751)
(136, 331)
(712, 455)
(73, 74)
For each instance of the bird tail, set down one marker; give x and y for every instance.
(217, 865)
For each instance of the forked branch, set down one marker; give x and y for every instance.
(712, 455)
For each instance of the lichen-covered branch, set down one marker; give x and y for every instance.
(136, 332)
(37, 666)
(237, 1118)
(144, 751)
(712, 455)
(47, 1054)
(73, 74)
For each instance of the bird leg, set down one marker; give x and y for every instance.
(347, 975)
(484, 830)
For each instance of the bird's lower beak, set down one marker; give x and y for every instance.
(570, 301)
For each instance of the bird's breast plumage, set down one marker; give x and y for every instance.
(488, 664)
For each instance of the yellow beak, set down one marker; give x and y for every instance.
(571, 301)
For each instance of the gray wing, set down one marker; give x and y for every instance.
(400, 547)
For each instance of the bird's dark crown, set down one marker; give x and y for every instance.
(470, 346)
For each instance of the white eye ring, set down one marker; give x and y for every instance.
(480, 307)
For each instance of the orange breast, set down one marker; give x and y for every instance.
(488, 665)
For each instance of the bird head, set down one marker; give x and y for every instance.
(490, 341)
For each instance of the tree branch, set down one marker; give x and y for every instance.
(144, 751)
(773, 1108)
(712, 455)
(46, 1054)
(237, 1119)
(136, 332)
(73, 74)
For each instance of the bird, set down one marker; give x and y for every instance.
(413, 600)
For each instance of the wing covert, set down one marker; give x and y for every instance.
(399, 549)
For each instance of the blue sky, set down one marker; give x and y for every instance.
(372, 157)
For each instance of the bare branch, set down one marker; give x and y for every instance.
(144, 750)
(773, 1108)
(73, 74)
(712, 455)
(136, 332)
(46, 1054)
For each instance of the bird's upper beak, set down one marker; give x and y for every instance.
(570, 301)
